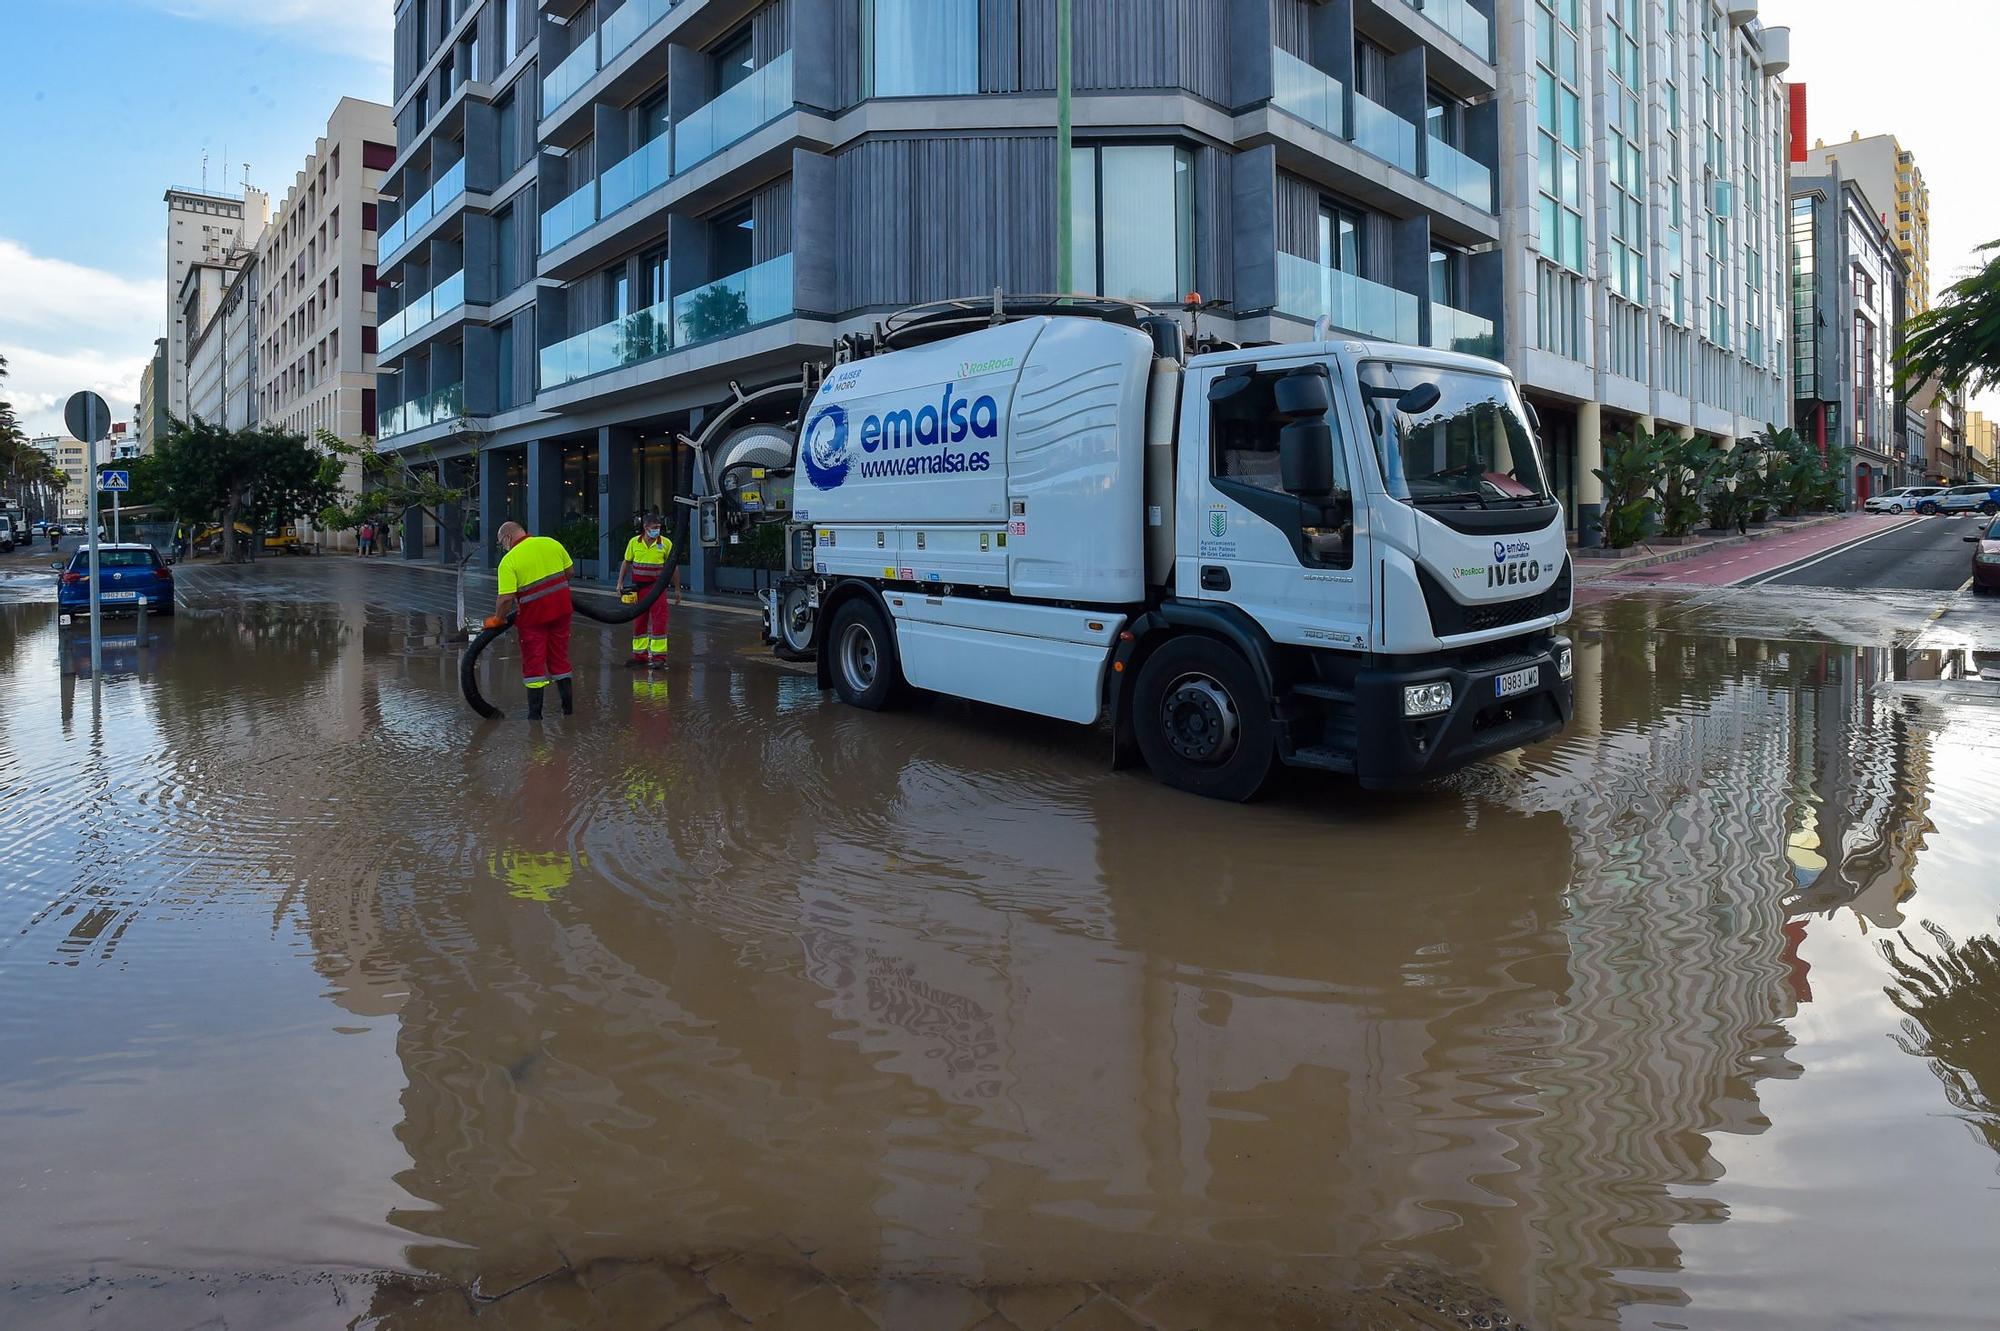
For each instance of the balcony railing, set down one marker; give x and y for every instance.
(566, 80)
(439, 301)
(569, 216)
(1452, 171)
(755, 102)
(1310, 290)
(1380, 131)
(1461, 21)
(425, 206)
(438, 407)
(624, 26)
(731, 304)
(627, 340)
(1455, 330)
(634, 176)
(1312, 95)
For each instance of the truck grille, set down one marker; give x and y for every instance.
(1449, 618)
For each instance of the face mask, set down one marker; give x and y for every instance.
(652, 533)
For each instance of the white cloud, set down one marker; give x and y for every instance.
(362, 28)
(39, 382)
(56, 299)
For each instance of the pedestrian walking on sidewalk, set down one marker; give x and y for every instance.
(645, 562)
(534, 586)
(367, 538)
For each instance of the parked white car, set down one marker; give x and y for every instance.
(1903, 499)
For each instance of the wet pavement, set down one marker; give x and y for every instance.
(324, 1004)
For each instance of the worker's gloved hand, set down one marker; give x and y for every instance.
(495, 622)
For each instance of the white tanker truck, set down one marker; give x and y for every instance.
(1334, 554)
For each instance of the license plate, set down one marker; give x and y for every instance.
(1517, 681)
(118, 596)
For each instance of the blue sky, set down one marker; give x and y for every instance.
(115, 101)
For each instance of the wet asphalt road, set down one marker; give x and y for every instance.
(324, 1004)
(1929, 554)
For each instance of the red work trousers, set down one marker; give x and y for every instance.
(544, 628)
(649, 631)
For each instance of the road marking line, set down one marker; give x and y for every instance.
(1783, 570)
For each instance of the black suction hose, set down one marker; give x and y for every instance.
(468, 664)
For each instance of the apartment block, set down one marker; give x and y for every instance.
(149, 416)
(1982, 447)
(203, 227)
(315, 342)
(1847, 302)
(1888, 175)
(68, 455)
(221, 304)
(1643, 234)
(601, 214)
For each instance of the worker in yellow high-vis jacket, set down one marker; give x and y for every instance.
(645, 562)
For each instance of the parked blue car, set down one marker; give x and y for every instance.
(128, 576)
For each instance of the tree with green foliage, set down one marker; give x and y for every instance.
(1957, 340)
(1631, 477)
(261, 478)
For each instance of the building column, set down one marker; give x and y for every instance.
(492, 499)
(413, 533)
(544, 487)
(1589, 489)
(1646, 423)
(614, 495)
(451, 513)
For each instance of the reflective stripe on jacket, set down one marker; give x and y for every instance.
(536, 567)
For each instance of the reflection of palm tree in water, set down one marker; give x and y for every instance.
(1951, 1008)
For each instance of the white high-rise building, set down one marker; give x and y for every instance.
(203, 226)
(1644, 224)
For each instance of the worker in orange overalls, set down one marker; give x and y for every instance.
(645, 560)
(534, 585)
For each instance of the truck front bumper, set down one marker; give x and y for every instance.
(1393, 749)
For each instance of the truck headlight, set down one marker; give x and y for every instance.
(1426, 699)
(1565, 663)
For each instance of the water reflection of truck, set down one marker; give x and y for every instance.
(1343, 555)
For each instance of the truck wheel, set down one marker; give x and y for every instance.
(1201, 720)
(862, 650)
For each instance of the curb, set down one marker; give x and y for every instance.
(1594, 570)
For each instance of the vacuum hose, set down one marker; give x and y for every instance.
(468, 664)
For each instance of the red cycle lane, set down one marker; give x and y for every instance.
(1735, 563)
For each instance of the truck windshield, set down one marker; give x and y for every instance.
(1473, 446)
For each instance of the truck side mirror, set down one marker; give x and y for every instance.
(1305, 457)
(1418, 400)
(1302, 394)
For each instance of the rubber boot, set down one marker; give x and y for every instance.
(535, 704)
(568, 697)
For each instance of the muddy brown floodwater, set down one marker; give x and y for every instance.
(324, 1004)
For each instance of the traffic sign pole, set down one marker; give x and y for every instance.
(96, 606)
(86, 414)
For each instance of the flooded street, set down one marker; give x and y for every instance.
(323, 1003)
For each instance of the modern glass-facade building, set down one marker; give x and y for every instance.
(602, 214)
(1644, 227)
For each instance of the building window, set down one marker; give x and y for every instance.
(506, 242)
(919, 48)
(1122, 199)
(503, 364)
(1559, 146)
(733, 61)
(1340, 244)
(1626, 152)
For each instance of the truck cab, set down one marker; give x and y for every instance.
(1337, 554)
(1381, 517)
